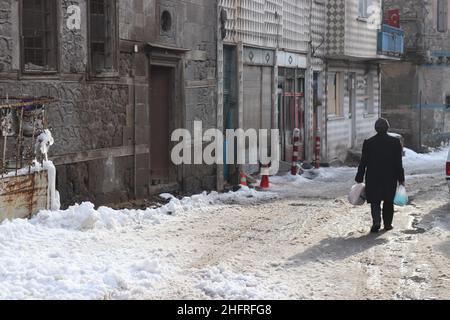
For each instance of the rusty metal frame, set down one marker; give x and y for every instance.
(12, 109)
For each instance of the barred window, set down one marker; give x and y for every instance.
(39, 41)
(103, 53)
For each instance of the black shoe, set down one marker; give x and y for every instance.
(375, 229)
(388, 228)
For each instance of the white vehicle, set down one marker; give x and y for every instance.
(448, 169)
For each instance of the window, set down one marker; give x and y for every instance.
(442, 16)
(166, 21)
(362, 8)
(103, 51)
(368, 94)
(335, 96)
(39, 42)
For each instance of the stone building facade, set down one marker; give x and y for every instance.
(126, 73)
(416, 91)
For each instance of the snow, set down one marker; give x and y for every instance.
(413, 162)
(395, 135)
(415, 159)
(44, 263)
(43, 143)
(53, 200)
(219, 283)
(64, 254)
(84, 216)
(86, 252)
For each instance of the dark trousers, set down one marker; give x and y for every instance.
(388, 213)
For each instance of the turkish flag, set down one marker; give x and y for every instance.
(394, 18)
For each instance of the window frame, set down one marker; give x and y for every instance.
(363, 7)
(56, 39)
(369, 101)
(114, 73)
(338, 110)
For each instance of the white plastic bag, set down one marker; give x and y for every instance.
(357, 196)
(401, 197)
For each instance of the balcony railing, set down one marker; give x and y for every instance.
(391, 41)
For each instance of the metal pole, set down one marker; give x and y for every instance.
(19, 143)
(33, 146)
(420, 121)
(296, 151)
(5, 133)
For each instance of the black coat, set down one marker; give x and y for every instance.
(382, 165)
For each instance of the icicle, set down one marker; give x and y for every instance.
(43, 143)
(53, 200)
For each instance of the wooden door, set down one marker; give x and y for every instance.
(160, 105)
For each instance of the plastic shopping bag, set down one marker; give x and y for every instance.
(357, 196)
(401, 197)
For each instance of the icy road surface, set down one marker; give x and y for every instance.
(301, 240)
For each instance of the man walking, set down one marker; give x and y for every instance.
(382, 165)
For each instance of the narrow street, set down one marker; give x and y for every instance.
(300, 240)
(106, 106)
(316, 248)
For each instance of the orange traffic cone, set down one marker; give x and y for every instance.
(265, 172)
(243, 179)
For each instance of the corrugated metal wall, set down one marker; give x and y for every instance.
(268, 23)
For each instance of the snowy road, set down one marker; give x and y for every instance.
(301, 240)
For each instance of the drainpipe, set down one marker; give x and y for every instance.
(135, 124)
(325, 112)
(380, 79)
(309, 112)
(420, 121)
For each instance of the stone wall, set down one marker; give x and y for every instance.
(98, 122)
(196, 30)
(413, 18)
(415, 90)
(5, 36)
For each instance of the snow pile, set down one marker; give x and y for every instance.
(83, 217)
(437, 155)
(53, 199)
(218, 283)
(289, 184)
(294, 180)
(89, 253)
(44, 263)
(414, 161)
